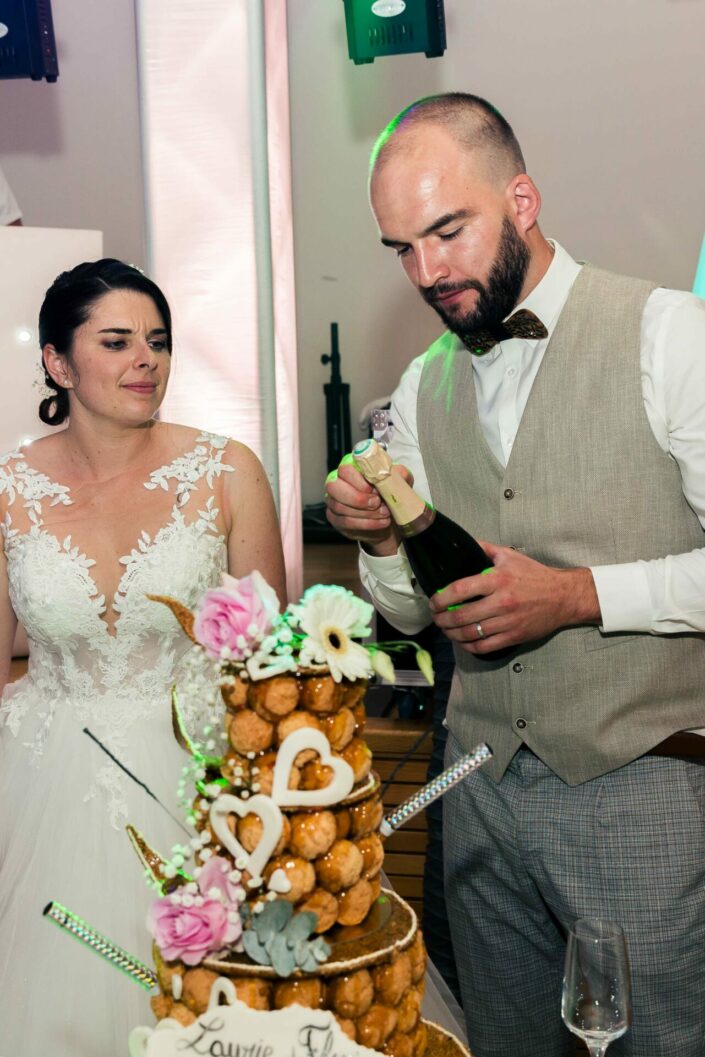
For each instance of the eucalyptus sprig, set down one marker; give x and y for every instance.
(278, 937)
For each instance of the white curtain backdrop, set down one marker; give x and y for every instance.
(218, 206)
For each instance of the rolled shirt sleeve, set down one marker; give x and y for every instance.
(391, 585)
(667, 595)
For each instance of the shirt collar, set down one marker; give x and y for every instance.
(550, 294)
(546, 300)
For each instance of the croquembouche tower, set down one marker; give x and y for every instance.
(272, 924)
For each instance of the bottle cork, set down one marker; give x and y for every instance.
(372, 461)
(405, 506)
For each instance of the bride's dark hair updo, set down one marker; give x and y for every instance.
(68, 305)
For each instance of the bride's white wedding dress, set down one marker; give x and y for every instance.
(63, 804)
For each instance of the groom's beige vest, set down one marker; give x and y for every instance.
(586, 484)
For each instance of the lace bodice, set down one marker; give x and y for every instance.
(108, 676)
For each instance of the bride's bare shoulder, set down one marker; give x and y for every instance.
(176, 439)
(237, 454)
(43, 454)
(242, 458)
(175, 433)
(32, 465)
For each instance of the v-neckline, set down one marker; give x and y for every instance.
(62, 493)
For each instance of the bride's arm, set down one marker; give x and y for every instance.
(20, 647)
(8, 624)
(254, 539)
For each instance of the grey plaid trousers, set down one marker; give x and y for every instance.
(527, 856)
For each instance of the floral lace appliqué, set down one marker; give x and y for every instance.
(204, 461)
(110, 682)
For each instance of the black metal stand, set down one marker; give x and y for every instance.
(337, 393)
(338, 443)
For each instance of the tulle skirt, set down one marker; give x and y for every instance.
(58, 843)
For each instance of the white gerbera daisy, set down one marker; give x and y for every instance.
(330, 617)
(354, 614)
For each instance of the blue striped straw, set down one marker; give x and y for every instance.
(434, 789)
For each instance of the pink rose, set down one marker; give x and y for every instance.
(190, 933)
(237, 615)
(216, 875)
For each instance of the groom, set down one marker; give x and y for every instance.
(572, 441)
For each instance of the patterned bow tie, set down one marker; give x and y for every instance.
(523, 324)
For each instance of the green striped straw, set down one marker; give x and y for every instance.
(74, 925)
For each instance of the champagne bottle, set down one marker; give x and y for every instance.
(438, 549)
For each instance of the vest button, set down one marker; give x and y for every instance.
(517, 667)
(508, 493)
(521, 724)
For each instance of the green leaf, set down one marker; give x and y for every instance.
(300, 927)
(282, 957)
(320, 949)
(309, 963)
(301, 951)
(273, 919)
(256, 950)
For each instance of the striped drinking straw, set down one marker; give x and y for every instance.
(434, 789)
(74, 925)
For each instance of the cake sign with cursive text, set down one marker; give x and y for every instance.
(235, 1030)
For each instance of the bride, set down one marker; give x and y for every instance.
(94, 517)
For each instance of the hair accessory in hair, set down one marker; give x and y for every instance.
(41, 382)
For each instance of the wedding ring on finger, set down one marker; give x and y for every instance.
(479, 631)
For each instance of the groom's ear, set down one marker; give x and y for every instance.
(524, 202)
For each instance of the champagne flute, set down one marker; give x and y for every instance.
(596, 1003)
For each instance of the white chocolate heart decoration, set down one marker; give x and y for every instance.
(335, 791)
(279, 882)
(272, 825)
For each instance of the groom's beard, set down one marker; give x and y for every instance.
(498, 296)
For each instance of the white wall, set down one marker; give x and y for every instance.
(606, 97)
(71, 150)
(30, 258)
